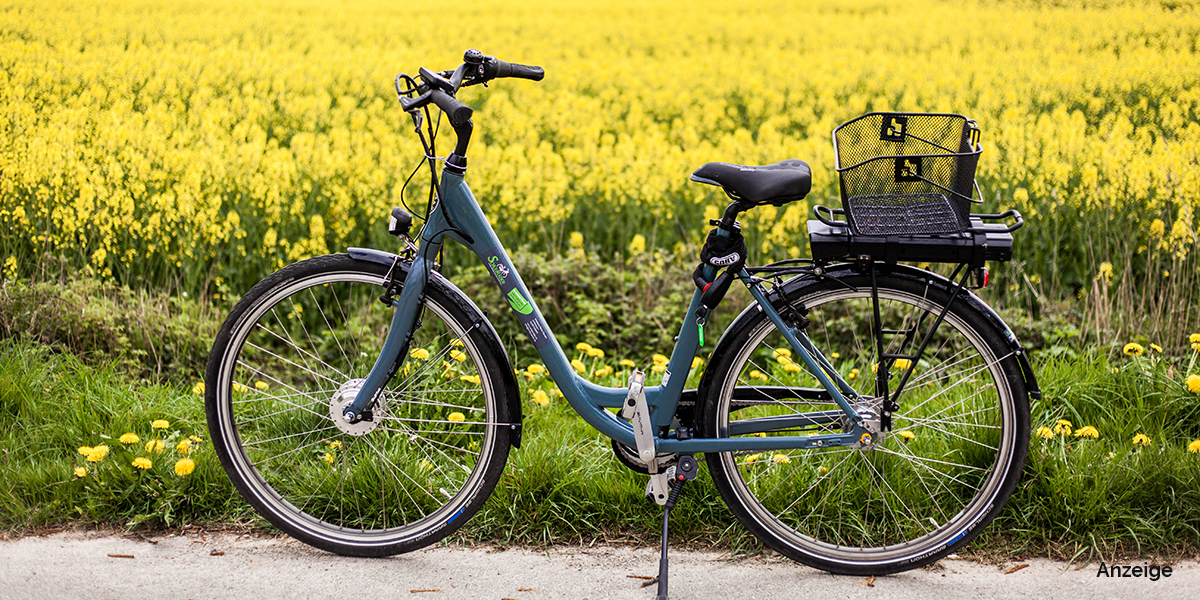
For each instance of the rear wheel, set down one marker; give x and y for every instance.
(952, 458)
(295, 351)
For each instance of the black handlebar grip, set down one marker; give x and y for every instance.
(458, 112)
(507, 69)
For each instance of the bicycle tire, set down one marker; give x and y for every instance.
(951, 461)
(288, 358)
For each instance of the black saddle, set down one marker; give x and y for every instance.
(776, 184)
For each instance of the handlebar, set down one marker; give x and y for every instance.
(440, 89)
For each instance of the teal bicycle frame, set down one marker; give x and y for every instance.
(458, 216)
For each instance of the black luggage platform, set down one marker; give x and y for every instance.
(980, 243)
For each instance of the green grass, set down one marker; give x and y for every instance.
(564, 486)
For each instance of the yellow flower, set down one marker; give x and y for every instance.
(1106, 273)
(575, 239)
(456, 417)
(198, 389)
(1194, 447)
(756, 374)
(637, 245)
(425, 465)
(184, 447)
(82, 471)
(625, 362)
(752, 458)
(195, 439)
(659, 367)
(781, 353)
(1196, 346)
(835, 355)
(1045, 432)
(184, 467)
(902, 363)
(155, 446)
(1063, 427)
(1194, 338)
(659, 359)
(822, 470)
(159, 424)
(1156, 348)
(603, 371)
(239, 388)
(458, 355)
(853, 374)
(470, 379)
(328, 458)
(1087, 431)
(335, 444)
(1141, 440)
(535, 369)
(1193, 383)
(761, 434)
(792, 367)
(557, 393)
(142, 463)
(578, 365)
(595, 353)
(129, 438)
(419, 354)
(906, 434)
(456, 342)
(85, 450)
(1133, 349)
(697, 362)
(541, 398)
(98, 453)
(583, 346)
(781, 459)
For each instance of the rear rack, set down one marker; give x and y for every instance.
(831, 240)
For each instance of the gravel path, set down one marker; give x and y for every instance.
(100, 566)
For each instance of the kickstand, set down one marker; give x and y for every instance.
(685, 470)
(676, 487)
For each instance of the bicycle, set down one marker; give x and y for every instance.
(861, 416)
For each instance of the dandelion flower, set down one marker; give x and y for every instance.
(456, 342)
(595, 353)
(184, 447)
(1193, 383)
(853, 374)
(659, 367)
(1087, 431)
(159, 424)
(1063, 427)
(184, 467)
(1141, 439)
(535, 369)
(142, 463)
(583, 347)
(697, 362)
(541, 398)
(1156, 348)
(82, 471)
(195, 439)
(85, 450)
(781, 353)
(906, 434)
(456, 417)
(1194, 447)
(1194, 338)
(1133, 349)
(557, 393)
(260, 385)
(835, 355)
(1196, 346)
(155, 446)
(335, 444)
(239, 388)
(425, 465)
(198, 389)
(419, 354)
(603, 371)
(458, 355)
(97, 454)
(822, 470)
(756, 374)
(1045, 432)
(625, 362)
(902, 363)
(761, 434)
(659, 359)
(792, 367)
(128, 438)
(781, 459)
(578, 365)
(752, 458)
(470, 379)
(328, 458)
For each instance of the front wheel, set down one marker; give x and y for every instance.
(296, 349)
(953, 455)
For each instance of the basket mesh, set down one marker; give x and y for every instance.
(884, 158)
(901, 214)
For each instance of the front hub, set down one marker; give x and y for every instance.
(344, 397)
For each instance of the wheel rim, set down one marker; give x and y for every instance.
(903, 499)
(300, 353)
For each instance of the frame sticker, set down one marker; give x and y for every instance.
(505, 278)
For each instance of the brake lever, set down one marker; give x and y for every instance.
(411, 104)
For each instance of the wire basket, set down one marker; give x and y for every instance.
(907, 174)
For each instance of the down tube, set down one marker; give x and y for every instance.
(461, 209)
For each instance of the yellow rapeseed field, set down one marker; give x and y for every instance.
(206, 143)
